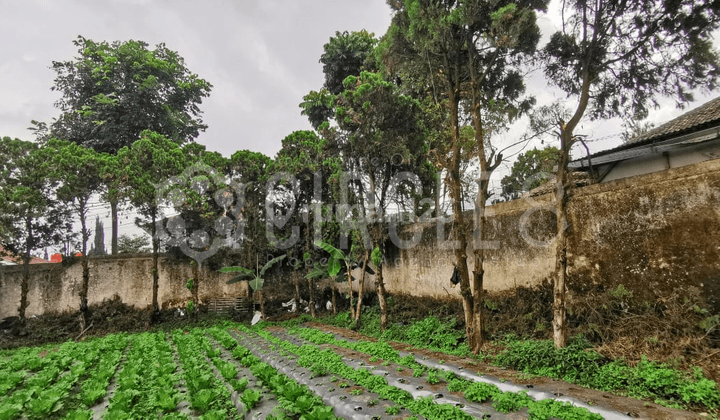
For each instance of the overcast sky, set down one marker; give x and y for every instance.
(260, 56)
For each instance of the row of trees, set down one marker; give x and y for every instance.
(612, 59)
(422, 104)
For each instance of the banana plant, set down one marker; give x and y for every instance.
(256, 278)
(339, 264)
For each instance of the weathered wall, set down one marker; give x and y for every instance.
(426, 268)
(650, 233)
(54, 288)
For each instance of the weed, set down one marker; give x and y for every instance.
(480, 392)
(507, 402)
(432, 378)
(392, 410)
(621, 293)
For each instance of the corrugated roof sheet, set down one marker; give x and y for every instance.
(703, 117)
(691, 120)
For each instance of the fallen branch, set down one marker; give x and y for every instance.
(84, 331)
(708, 356)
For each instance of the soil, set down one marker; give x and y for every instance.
(629, 406)
(110, 316)
(675, 329)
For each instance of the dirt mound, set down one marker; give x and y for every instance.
(109, 316)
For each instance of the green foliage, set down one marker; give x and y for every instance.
(393, 410)
(614, 67)
(431, 333)
(228, 370)
(214, 415)
(432, 378)
(480, 392)
(507, 402)
(319, 413)
(550, 409)
(256, 278)
(100, 109)
(203, 398)
(250, 398)
(531, 169)
(133, 244)
(152, 159)
(345, 55)
(46, 403)
(577, 363)
(239, 385)
(376, 256)
(78, 171)
(31, 217)
(318, 107)
(621, 293)
(166, 400)
(77, 414)
(337, 257)
(572, 363)
(709, 323)
(455, 385)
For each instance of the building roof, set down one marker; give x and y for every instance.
(703, 116)
(7, 258)
(698, 125)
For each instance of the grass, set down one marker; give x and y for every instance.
(578, 363)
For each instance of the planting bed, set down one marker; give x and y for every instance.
(237, 372)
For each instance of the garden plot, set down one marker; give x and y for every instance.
(188, 375)
(55, 378)
(243, 373)
(480, 396)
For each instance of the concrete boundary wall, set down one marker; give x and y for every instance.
(652, 233)
(54, 288)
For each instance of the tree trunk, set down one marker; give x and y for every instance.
(155, 275)
(381, 298)
(24, 285)
(486, 168)
(455, 188)
(334, 300)
(437, 196)
(312, 297)
(559, 306)
(114, 215)
(85, 276)
(350, 292)
(477, 340)
(262, 304)
(361, 291)
(195, 289)
(566, 141)
(296, 280)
